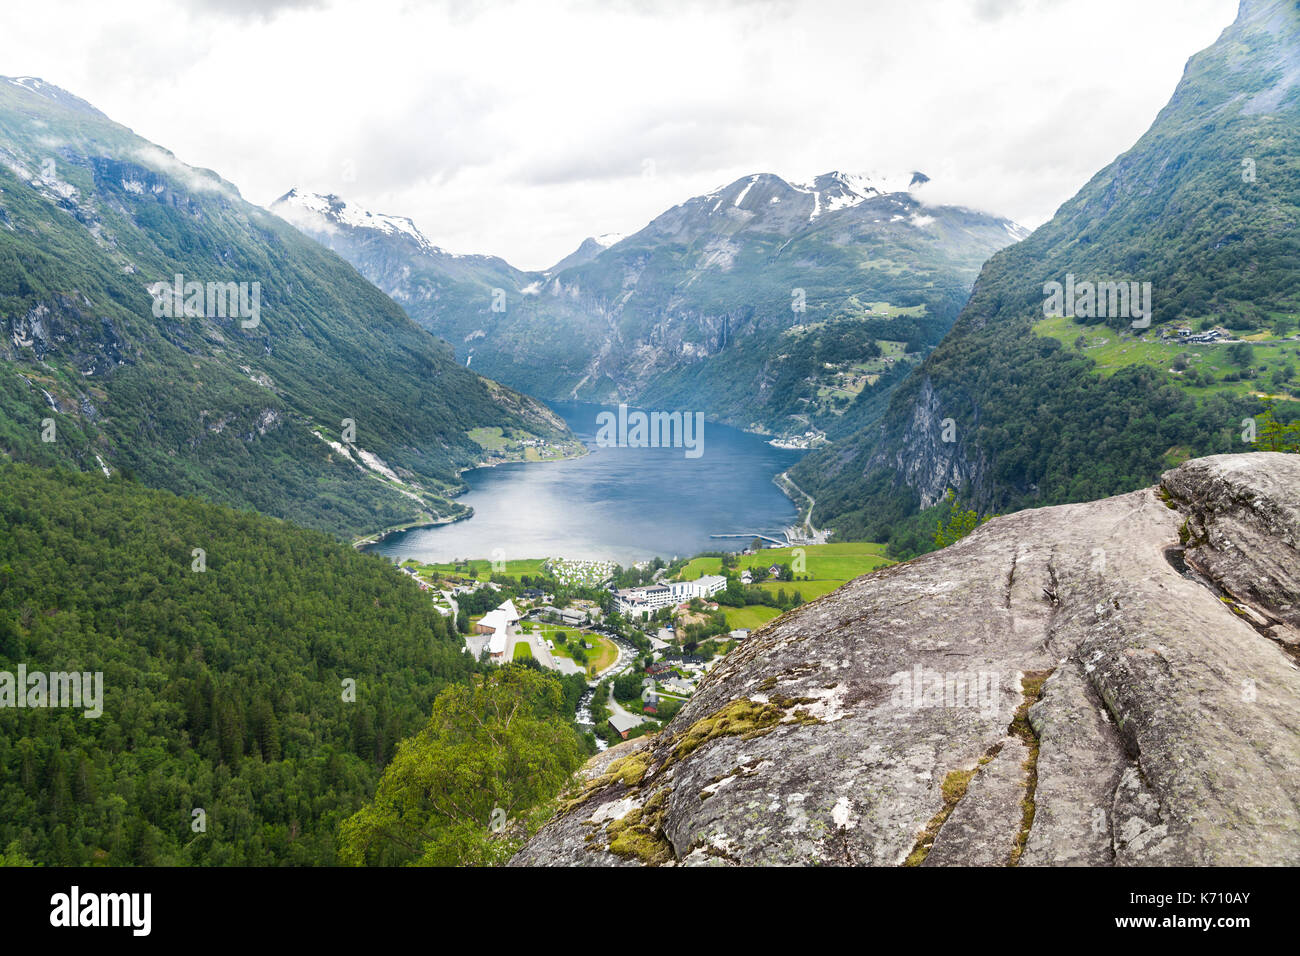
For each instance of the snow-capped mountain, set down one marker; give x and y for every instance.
(697, 308)
(1183, 211)
(312, 210)
(765, 202)
(826, 193)
(395, 255)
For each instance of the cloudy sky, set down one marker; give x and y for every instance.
(520, 128)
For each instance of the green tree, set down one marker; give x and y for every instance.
(13, 855)
(1275, 435)
(475, 780)
(961, 522)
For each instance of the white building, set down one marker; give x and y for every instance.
(497, 646)
(675, 686)
(644, 601)
(702, 587)
(641, 602)
(502, 624)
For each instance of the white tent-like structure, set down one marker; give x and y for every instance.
(500, 623)
(497, 645)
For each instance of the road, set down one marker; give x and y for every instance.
(814, 536)
(451, 599)
(617, 709)
(627, 656)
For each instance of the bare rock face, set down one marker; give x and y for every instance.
(1093, 684)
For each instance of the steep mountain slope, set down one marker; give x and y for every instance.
(1049, 407)
(1100, 684)
(236, 393)
(780, 307)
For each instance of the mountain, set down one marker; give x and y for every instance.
(288, 383)
(780, 307)
(1101, 684)
(1025, 403)
(591, 247)
(393, 253)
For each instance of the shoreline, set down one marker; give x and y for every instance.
(375, 537)
(802, 519)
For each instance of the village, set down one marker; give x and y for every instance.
(641, 638)
(636, 679)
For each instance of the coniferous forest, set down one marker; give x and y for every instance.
(224, 689)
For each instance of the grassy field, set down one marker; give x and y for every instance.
(884, 308)
(840, 562)
(513, 569)
(1113, 350)
(495, 441)
(602, 653)
(751, 616)
(826, 567)
(489, 439)
(523, 652)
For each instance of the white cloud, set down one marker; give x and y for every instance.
(519, 128)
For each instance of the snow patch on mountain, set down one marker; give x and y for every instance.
(744, 192)
(329, 212)
(34, 84)
(836, 190)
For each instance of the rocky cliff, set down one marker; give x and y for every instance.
(1110, 683)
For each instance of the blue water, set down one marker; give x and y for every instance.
(619, 504)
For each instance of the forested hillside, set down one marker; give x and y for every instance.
(223, 689)
(1018, 408)
(95, 226)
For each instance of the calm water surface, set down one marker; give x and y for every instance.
(620, 504)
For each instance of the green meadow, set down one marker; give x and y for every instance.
(1212, 364)
(825, 568)
(482, 567)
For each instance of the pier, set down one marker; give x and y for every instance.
(779, 542)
